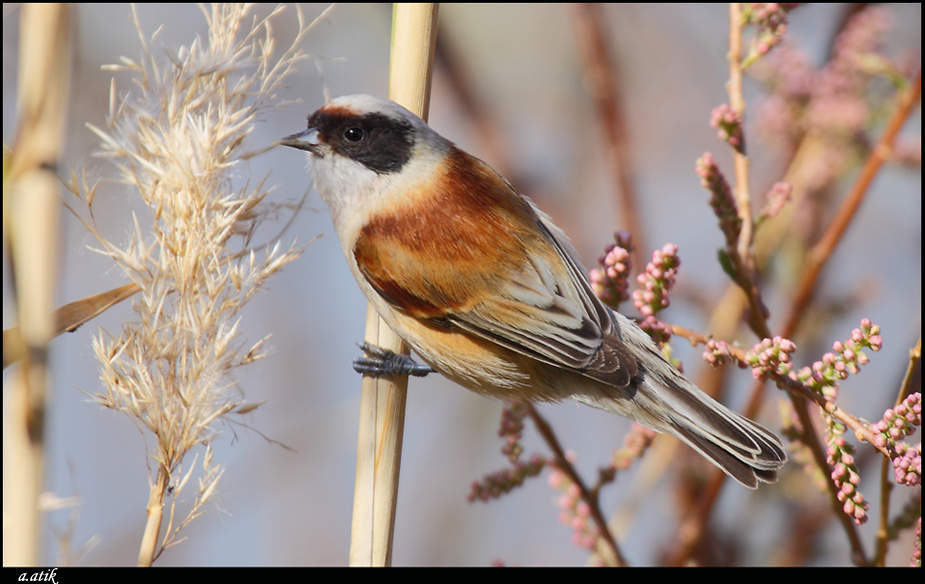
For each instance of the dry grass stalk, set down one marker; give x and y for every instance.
(176, 141)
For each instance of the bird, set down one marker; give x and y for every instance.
(489, 292)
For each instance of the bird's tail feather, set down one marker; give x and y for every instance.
(746, 472)
(660, 398)
(744, 450)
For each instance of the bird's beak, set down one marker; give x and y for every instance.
(307, 140)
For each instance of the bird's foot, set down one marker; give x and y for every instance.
(380, 362)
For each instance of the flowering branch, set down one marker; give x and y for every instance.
(591, 498)
(603, 84)
(849, 207)
(732, 223)
(860, 36)
(770, 359)
(771, 20)
(611, 281)
(504, 481)
(652, 296)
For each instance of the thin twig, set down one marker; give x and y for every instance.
(743, 257)
(849, 207)
(795, 387)
(737, 103)
(915, 358)
(586, 495)
(455, 74)
(816, 261)
(883, 529)
(809, 437)
(886, 487)
(601, 74)
(820, 255)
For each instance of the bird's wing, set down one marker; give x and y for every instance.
(501, 272)
(547, 310)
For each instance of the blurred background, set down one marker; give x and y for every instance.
(510, 87)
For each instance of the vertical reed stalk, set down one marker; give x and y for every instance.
(32, 228)
(382, 401)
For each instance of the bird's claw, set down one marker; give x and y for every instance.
(381, 362)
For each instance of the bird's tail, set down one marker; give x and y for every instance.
(744, 450)
(660, 398)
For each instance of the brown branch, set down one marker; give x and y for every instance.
(690, 530)
(692, 526)
(740, 252)
(601, 74)
(586, 495)
(839, 224)
(886, 487)
(740, 160)
(811, 440)
(795, 387)
(450, 63)
(817, 259)
(883, 529)
(912, 371)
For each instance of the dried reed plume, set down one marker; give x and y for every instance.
(177, 140)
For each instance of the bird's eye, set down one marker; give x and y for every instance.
(354, 134)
